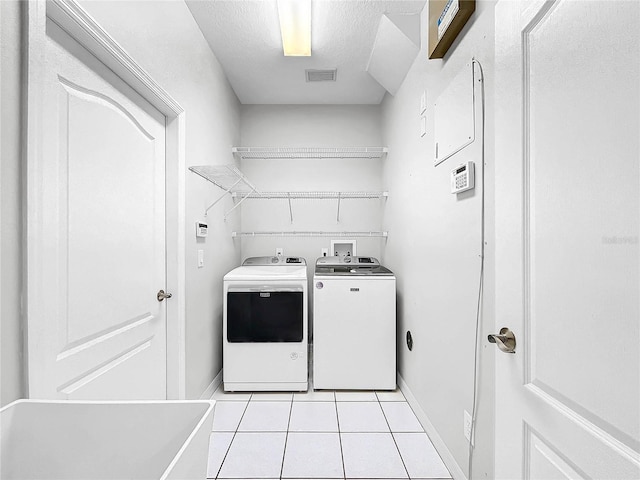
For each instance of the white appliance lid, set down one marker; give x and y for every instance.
(350, 266)
(268, 272)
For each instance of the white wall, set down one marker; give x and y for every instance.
(12, 386)
(164, 38)
(315, 126)
(434, 248)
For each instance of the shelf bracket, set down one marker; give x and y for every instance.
(338, 215)
(238, 204)
(221, 197)
(290, 209)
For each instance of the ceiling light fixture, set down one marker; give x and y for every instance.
(295, 27)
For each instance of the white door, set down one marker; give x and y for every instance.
(567, 256)
(96, 234)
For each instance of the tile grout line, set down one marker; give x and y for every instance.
(335, 403)
(258, 432)
(286, 438)
(233, 438)
(393, 437)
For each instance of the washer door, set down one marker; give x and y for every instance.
(265, 316)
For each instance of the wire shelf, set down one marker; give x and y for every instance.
(314, 195)
(226, 177)
(308, 152)
(233, 182)
(310, 234)
(229, 179)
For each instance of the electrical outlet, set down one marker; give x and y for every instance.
(279, 251)
(467, 426)
(324, 252)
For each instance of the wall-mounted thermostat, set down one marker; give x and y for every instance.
(462, 178)
(201, 229)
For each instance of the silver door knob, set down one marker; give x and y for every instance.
(505, 340)
(162, 295)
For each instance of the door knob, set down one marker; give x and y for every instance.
(161, 295)
(505, 340)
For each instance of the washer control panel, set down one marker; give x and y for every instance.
(351, 261)
(274, 260)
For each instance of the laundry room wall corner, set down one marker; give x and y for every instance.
(434, 246)
(175, 53)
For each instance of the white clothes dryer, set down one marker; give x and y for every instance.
(354, 324)
(265, 322)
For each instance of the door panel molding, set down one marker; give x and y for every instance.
(559, 414)
(542, 37)
(544, 460)
(586, 424)
(72, 18)
(79, 91)
(531, 24)
(113, 362)
(107, 334)
(76, 22)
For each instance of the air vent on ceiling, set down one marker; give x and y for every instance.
(321, 75)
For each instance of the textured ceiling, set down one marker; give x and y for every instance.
(245, 37)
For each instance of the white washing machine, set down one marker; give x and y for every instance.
(265, 322)
(354, 324)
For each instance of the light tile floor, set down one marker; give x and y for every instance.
(319, 435)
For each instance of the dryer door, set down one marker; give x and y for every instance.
(265, 315)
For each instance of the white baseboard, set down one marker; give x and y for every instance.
(207, 394)
(438, 443)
